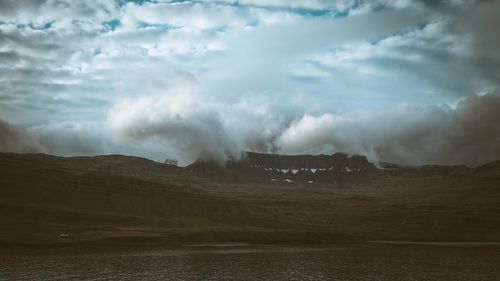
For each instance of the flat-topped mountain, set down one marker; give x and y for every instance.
(335, 168)
(254, 166)
(309, 168)
(336, 162)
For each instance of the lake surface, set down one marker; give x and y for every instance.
(219, 262)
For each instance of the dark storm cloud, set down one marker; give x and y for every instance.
(11, 7)
(468, 134)
(35, 10)
(9, 57)
(69, 139)
(481, 24)
(201, 136)
(64, 139)
(16, 140)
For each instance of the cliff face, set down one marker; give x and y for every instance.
(336, 168)
(339, 167)
(339, 162)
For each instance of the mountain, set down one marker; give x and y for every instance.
(309, 168)
(339, 167)
(336, 168)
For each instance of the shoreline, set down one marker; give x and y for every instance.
(162, 242)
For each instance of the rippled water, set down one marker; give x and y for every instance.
(350, 262)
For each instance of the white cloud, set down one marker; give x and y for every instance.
(181, 117)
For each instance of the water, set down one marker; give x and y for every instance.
(243, 262)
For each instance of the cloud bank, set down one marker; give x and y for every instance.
(407, 134)
(468, 134)
(16, 140)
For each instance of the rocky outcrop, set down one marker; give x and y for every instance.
(335, 168)
(337, 162)
(424, 170)
(339, 167)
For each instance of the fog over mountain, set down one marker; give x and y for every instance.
(410, 82)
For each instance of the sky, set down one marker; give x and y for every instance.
(406, 81)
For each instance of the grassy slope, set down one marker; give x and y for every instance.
(118, 199)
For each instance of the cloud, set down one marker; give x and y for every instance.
(159, 128)
(192, 126)
(198, 134)
(63, 139)
(40, 12)
(343, 6)
(255, 62)
(69, 138)
(408, 134)
(16, 140)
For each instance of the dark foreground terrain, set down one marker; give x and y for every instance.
(47, 201)
(360, 262)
